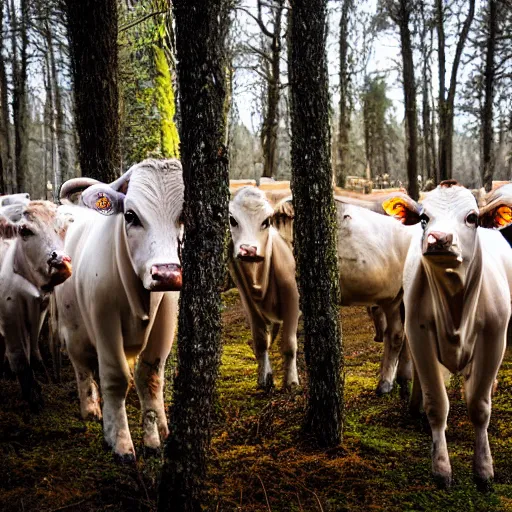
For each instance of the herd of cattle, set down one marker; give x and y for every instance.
(436, 277)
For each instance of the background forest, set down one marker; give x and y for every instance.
(456, 90)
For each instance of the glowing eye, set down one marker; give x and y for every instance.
(131, 218)
(25, 232)
(232, 221)
(266, 223)
(424, 219)
(472, 219)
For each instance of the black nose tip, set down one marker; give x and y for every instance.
(54, 255)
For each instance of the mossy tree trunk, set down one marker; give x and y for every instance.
(92, 30)
(315, 220)
(201, 31)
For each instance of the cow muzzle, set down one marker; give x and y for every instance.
(60, 268)
(438, 244)
(249, 253)
(166, 278)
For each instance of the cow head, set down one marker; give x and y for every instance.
(249, 218)
(149, 196)
(449, 218)
(40, 228)
(14, 199)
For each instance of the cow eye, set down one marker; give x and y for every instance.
(26, 232)
(131, 218)
(232, 221)
(472, 219)
(424, 219)
(266, 223)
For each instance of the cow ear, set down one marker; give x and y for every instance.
(496, 217)
(406, 211)
(9, 218)
(103, 199)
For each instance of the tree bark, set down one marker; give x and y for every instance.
(488, 160)
(201, 31)
(5, 138)
(345, 110)
(315, 221)
(447, 103)
(92, 29)
(401, 14)
(19, 93)
(271, 119)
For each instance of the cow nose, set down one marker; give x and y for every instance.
(167, 277)
(248, 250)
(58, 260)
(439, 240)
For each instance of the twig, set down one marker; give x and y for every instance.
(140, 20)
(69, 506)
(300, 504)
(265, 491)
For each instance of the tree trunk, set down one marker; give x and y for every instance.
(315, 220)
(19, 93)
(92, 28)
(201, 31)
(403, 18)
(48, 127)
(62, 167)
(447, 103)
(488, 160)
(5, 139)
(271, 121)
(345, 111)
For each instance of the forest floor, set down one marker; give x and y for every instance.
(54, 461)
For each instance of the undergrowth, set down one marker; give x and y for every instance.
(54, 461)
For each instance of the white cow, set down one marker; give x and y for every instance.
(263, 268)
(371, 254)
(114, 308)
(32, 263)
(457, 303)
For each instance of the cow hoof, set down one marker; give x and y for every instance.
(290, 388)
(443, 481)
(378, 339)
(124, 458)
(484, 484)
(151, 453)
(384, 387)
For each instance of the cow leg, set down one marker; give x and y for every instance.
(478, 387)
(149, 374)
(260, 344)
(435, 399)
(289, 352)
(84, 359)
(393, 342)
(379, 321)
(115, 380)
(416, 394)
(404, 371)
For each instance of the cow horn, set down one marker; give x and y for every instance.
(74, 186)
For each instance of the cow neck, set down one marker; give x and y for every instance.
(22, 267)
(257, 275)
(138, 297)
(454, 298)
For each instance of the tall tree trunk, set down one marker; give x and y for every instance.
(48, 127)
(62, 167)
(315, 220)
(92, 28)
(447, 102)
(19, 93)
(271, 121)
(345, 110)
(201, 31)
(488, 160)
(402, 17)
(5, 139)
